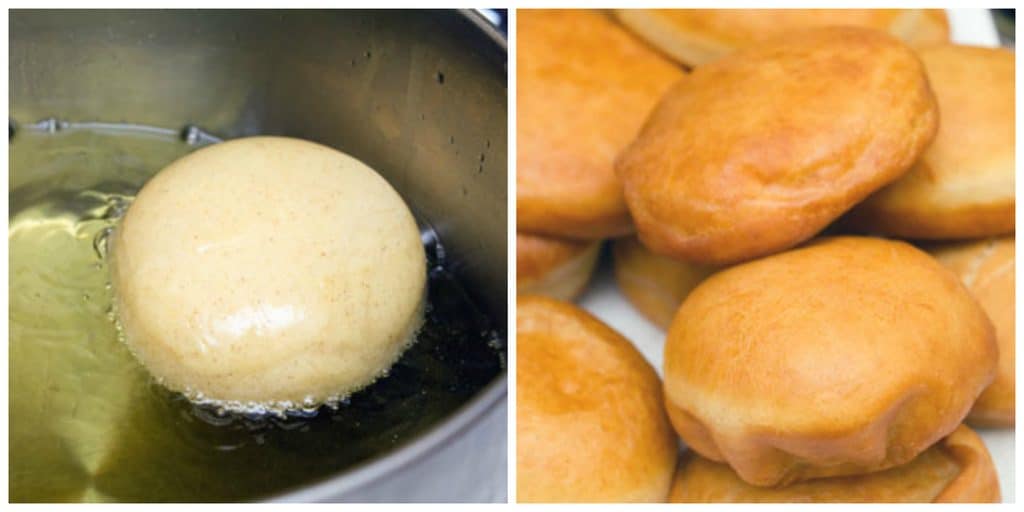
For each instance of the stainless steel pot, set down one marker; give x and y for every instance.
(420, 96)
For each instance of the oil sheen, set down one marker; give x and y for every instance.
(87, 423)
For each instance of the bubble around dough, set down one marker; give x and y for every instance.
(268, 270)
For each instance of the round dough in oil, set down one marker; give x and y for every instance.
(268, 272)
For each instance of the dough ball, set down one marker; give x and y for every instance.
(268, 272)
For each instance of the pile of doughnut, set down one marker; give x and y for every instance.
(816, 206)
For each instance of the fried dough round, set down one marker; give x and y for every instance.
(655, 285)
(987, 269)
(556, 267)
(963, 184)
(590, 422)
(846, 356)
(585, 86)
(957, 469)
(759, 151)
(697, 36)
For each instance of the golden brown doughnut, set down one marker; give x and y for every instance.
(555, 267)
(963, 185)
(589, 418)
(758, 151)
(697, 36)
(585, 86)
(987, 269)
(957, 469)
(846, 356)
(655, 285)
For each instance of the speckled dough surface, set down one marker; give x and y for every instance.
(846, 356)
(760, 150)
(268, 270)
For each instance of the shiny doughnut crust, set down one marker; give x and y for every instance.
(555, 267)
(957, 469)
(585, 86)
(590, 426)
(758, 151)
(963, 184)
(845, 356)
(698, 36)
(986, 268)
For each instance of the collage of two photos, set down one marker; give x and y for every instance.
(511, 255)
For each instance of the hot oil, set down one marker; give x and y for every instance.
(87, 423)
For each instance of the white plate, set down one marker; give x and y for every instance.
(602, 298)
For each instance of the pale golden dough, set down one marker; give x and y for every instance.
(963, 184)
(697, 36)
(760, 150)
(987, 269)
(655, 285)
(590, 426)
(268, 271)
(846, 356)
(585, 86)
(556, 267)
(957, 469)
